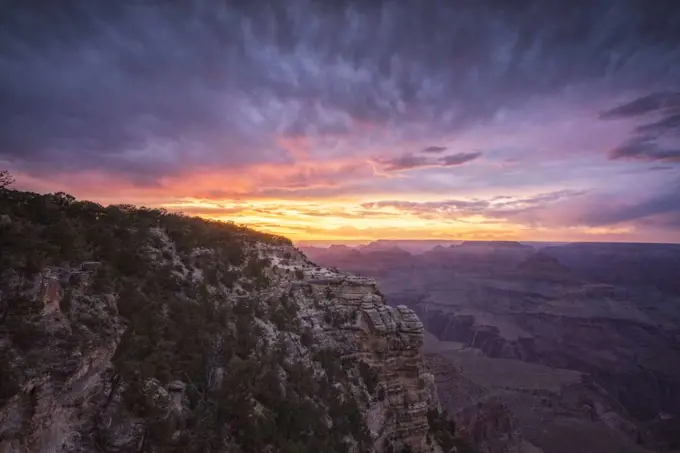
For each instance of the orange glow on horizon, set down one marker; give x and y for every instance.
(337, 220)
(268, 198)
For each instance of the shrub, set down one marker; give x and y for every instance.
(369, 376)
(382, 393)
(443, 430)
(306, 338)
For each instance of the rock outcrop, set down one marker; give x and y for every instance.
(353, 318)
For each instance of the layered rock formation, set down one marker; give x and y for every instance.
(388, 340)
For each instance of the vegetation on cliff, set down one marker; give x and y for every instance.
(53, 229)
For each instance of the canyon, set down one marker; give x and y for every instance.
(570, 347)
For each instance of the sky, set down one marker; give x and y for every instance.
(355, 120)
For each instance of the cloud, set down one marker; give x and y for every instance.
(644, 105)
(405, 162)
(434, 149)
(657, 138)
(413, 162)
(645, 149)
(662, 208)
(457, 159)
(146, 90)
(428, 207)
(503, 207)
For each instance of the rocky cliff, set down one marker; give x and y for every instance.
(125, 329)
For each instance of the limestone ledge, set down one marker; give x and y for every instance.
(361, 293)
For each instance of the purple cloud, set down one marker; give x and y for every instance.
(403, 163)
(457, 159)
(660, 116)
(147, 90)
(412, 162)
(662, 208)
(434, 149)
(644, 105)
(645, 149)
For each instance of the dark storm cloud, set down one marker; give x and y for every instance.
(153, 88)
(657, 138)
(647, 104)
(457, 159)
(413, 161)
(435, 149)
(662, 208)
(402, 163)
(645, 149)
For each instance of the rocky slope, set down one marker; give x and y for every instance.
(125, 329)
(483, 420)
